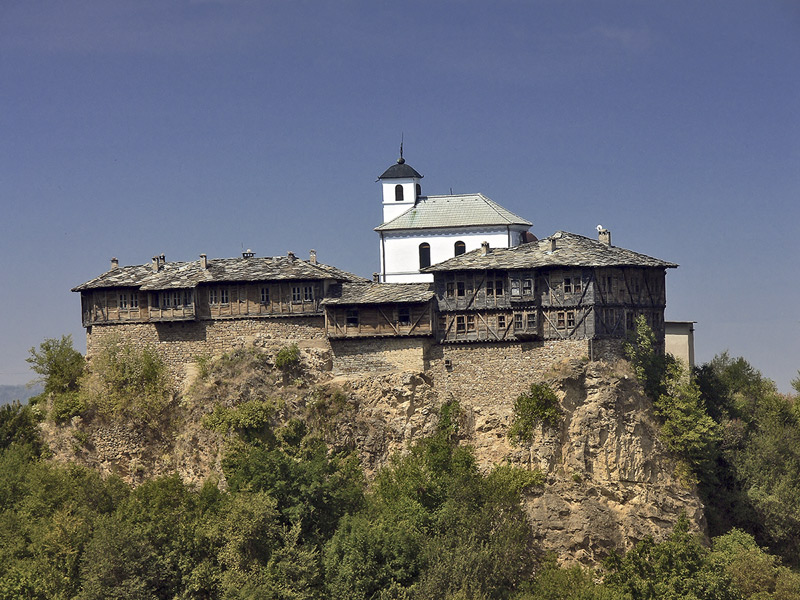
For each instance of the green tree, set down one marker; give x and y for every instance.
(59, 364)
(679, 568)
(434, 527)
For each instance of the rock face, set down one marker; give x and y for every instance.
(609, 480)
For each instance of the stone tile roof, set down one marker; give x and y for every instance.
(382, 293)
(189, 274)
(460, 210)
(571, 250)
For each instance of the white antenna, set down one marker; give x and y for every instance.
(599, 228)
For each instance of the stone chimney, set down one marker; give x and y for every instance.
(114, 263)
(290, 254)
(484, 248)
(248, 254)
(553, 245)
(375, 278)
(162, 260)
(203, 261)
(312, 257)
(603, 235)
(156, 264)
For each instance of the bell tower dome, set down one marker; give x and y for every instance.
(401, 188)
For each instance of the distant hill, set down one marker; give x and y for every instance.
(9, 393)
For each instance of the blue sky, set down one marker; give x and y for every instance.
(132, 128)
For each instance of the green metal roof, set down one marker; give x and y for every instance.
(460, 210)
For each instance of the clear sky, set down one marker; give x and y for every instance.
(129, 128)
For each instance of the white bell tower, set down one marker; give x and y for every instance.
(401, 188)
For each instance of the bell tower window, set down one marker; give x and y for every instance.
(424, 255)
(419, 190)
(398, 193)
(461, 248)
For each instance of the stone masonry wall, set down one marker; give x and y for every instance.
(369, 355)
(180, 343)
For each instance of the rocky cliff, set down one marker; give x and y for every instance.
(609, 481)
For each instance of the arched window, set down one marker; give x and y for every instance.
(424, 255)
(461, 247)
(398, 193)
(419, 190)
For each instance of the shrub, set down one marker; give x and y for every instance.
(538, 405)
(287, 358)
(128, 382)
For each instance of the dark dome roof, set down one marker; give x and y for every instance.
(400, 170)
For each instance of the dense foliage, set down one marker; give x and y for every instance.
(297, 521)
(538, 405)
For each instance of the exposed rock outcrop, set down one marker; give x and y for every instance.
(609, 480)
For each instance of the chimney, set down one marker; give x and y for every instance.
(553, 244)
(203, 261)
(290, 254)
(604, 236)
(162, 259)
(484, 248)
(375, 278)
(114, 263)
(248, 254)
(312, 257)
(156, 264)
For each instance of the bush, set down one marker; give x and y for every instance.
(128, 382)
(538, 405)
(287, 358)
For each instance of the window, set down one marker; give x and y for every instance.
(570, 318)
(424, 255)
(187, 298)
(531, 321)
(461, 326)
(501, 321)
(223, 296)
(398, 193)
(213, 296)
(460, 248)
(404, 315)
(561, 320)
(567, 285)
(123, 300)
(296, 294)
(450, 289)
(576, 285)
(308, 293)
(470, 322)
(170, 299)
(264, 295)
(352, 317)
(527, 287)
(517, 321)
(461, 288)
(494, 287)
(135, 300)
(419, 191)
(515, 287)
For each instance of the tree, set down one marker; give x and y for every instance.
(59, 364)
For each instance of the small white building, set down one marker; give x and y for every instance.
(419, 231)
